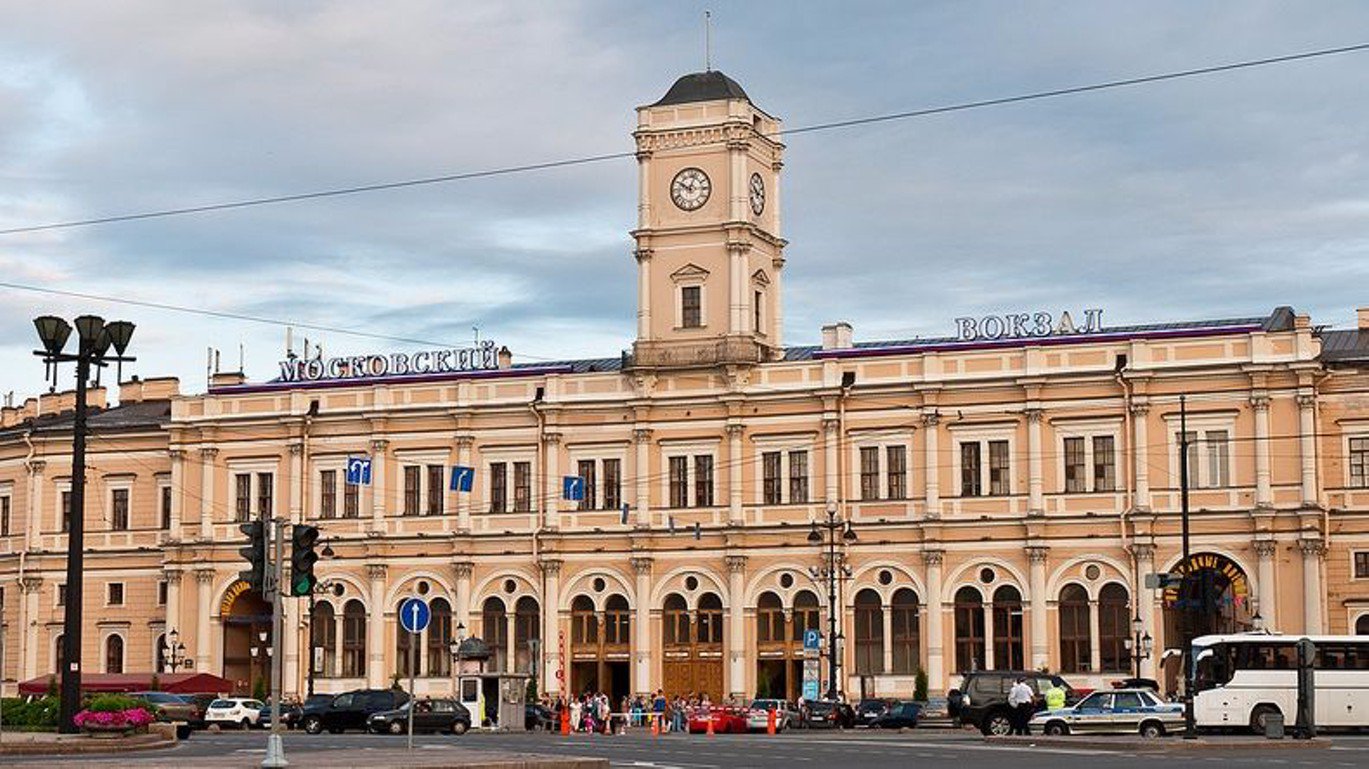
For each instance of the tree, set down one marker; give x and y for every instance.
(920, 686)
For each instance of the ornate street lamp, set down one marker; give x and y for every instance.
(173, 652)
(95, 337)
(832, 570)
(454, 646)
(1139, 645)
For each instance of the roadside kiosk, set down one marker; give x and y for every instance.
(495, 700)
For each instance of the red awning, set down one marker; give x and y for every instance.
(175, 683)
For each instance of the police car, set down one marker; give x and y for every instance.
(1135, 710)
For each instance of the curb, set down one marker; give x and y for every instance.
(1160, 745)
(133, 744)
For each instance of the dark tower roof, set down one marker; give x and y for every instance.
(702, 86)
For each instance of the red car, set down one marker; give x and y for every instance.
(725, 720)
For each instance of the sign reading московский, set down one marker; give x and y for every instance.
(1021, 325)
(483, 356)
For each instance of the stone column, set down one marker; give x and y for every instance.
(643, 293)
(31, 587)
(379, 491)
(641, 472)
(641, 632)
(1095, 643)
(736, 515)
(736, 316)
(511, 639)
(936, 674)
(207, 495)
(931, 473)
(887, 628)
(1140, 451)
(177, 493)
(551, 623)
(296, 483)
(1144, 605)
(173, 600)
(831, 426)
(736, 626)
(35, 504)
(375, 628)
(1313, 550)
(1036, 500)
(462, 609)
(1264, 494)
(1266, 589)
(1307, 431)
(204, 607)
(1040, 651)
(464, 442)
(551, 493)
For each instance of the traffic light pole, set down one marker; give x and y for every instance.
(275, 747)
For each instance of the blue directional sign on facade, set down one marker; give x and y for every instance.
(462, 478)
(573, 488)
(812, 639)
(358, 471)
(414, 615)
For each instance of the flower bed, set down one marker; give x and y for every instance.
(113, 715)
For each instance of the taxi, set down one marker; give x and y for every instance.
(1134, 711)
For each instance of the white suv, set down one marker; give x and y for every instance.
(235, 711)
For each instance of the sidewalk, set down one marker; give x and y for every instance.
(1134, 744)
(53, 744)
(447, 758)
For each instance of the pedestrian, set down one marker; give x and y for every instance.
(1020, 699)
(1055, 696)
(576, 710)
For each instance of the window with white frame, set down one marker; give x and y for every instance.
(161, 592)
(691, 309)
(254, 489)
(785, 470)
(1358, 454)
(421, 478)
(603, 477)
(1208, 444)
(333, 496)
(689, 473)
(1359, 566)
(983, 460)
(508, 479)
(6, 509)
(63, 505)
(119, 501)
(881, 470)
(1088, 456)
(164, 503)
(114, 594)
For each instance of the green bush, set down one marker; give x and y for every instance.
(112, 703)
(920, 686)
(36, 714)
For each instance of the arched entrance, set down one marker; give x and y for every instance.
(693, 646)
(779, 643)
(600, 646)
(246, 619)
(1213, 596)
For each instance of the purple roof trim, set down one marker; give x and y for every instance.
(1045, 341)
(320, 384)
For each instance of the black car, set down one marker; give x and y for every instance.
(438, 715)
(290, 712)
(982, 699)
(900, 715)
(349, 710)
(829, 715)
(537, 717)
(867, 710)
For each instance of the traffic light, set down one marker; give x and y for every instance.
(255, 553)
(302, 559)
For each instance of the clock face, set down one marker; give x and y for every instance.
(690, 189)
(757, 194)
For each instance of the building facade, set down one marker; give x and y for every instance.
(1011, 487)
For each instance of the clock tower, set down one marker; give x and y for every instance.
(709, 251)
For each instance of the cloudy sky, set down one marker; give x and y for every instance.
(1209, 197)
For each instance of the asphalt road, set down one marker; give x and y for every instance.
(850, 750)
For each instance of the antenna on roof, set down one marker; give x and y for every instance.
(476, 329)
(708, 41)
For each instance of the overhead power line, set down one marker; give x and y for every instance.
(588, 159)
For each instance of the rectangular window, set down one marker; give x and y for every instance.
(499, 487)
(770, 473)
(242, 496)
(115, 594)
(351, 500)
(869, 473)
(66, 511)
(1362, 564)
(613, 484)
(1188, 443)
(1359, 463)
(897, 468)
(798, 477)
(522, 487)
(166, 507)
(1218, 464)
(161, 593)
(265, 494)
(679, 481)
(756, 312)
(691, 307)
(118, 509)
(61, 595)
(585, 469)
(327, 493)
(412, 479)
(703, 481)
(435, 489)
(1104, 464)
(999, 481)
(4, 516)
(1074, 465)
(969, 470)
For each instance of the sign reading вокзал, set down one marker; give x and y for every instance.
(483, 356)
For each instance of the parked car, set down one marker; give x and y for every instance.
(829, 715)
(233, 711)
(349, 710)
(537, 717)
(170, 707)
(201, 703)
(900, 715)
(758, 715)
(1137, 683)
(725, 720)
(867, 710)
(982, 699)
(1133, 710)
(289, 711)
(432, 715)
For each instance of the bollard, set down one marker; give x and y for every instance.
(655, 725)
(770, 721)
(710, 724)
(565, 722)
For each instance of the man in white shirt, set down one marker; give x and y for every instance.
(1021, 699)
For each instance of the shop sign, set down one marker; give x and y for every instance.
(1027, 325)
(1230, 587)
(478, 358)
(230, 596)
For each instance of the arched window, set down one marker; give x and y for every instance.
(354, 639)
(323, 634)
(494, 629)
(617, 621)
(1362, 625)
(1007, 628)
(869, 633)
(710, 619)
(907, 644)
(159, 652)
(769, 618)
(584, 625)
(437, 636)
(1075, 643)
(1114, 628)
(805, 614)
(114, 654)
(969, 629)
(527, 628)
(405, 643)
(59, 654)
(675, 618)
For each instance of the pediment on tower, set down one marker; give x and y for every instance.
(688, 273)
(760, 278)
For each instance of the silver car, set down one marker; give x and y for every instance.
(1136, 711)
(758, 715)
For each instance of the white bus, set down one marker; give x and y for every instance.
(1238, 680)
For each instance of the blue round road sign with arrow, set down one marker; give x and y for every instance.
(414, 615)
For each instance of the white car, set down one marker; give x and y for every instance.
(1137, 711)
(234, 711)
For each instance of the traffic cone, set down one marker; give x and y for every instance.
(710, 724)
(770, 722)
(655, 726)
(565, 721)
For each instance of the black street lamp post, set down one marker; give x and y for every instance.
(322, 587)
(173, 652)
(95, 338)
(1139, 645)
(832, 570)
